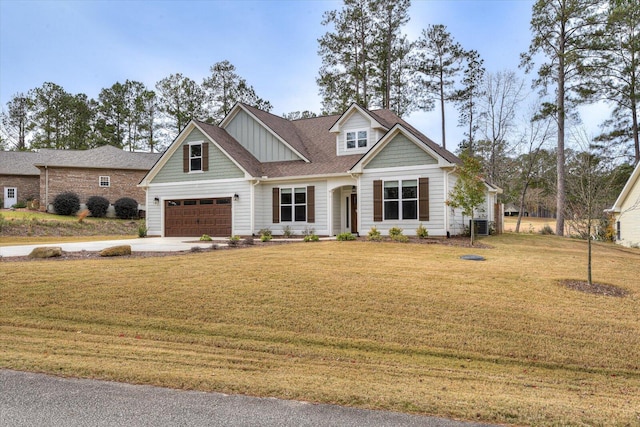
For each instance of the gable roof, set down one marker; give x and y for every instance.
(104, 157)
(374, 121)
(19, 163)
(282, 128)
(634, 180)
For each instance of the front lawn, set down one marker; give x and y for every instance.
(405, 327)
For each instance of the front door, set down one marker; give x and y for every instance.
(10, 197)
(354, 213)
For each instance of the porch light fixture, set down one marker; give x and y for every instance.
(236, 197)
(156, 201)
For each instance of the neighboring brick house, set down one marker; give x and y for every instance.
(19, 178)
(104, 171)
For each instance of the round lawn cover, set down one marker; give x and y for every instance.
(472, 257)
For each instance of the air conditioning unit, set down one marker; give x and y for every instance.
(481, 227)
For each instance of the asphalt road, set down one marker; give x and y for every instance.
(29, 399)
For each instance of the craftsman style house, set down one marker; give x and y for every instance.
(331, 174)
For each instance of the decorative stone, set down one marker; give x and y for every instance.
(46, 252)
(116, 251)
(472, 257)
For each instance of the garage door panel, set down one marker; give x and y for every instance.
(193, 218)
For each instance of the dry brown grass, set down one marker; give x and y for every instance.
(528, 224)
(402, 327)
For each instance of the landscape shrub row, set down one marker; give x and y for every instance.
(68, 203)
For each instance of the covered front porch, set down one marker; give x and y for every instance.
(344, 210)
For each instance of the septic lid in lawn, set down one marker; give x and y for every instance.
(472, 257)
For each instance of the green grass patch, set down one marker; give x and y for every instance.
(404, 327)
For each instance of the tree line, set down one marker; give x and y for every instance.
(589, 51)
(126, 115)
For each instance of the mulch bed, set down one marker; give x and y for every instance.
(594, 288)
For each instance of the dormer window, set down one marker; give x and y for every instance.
(356, 139)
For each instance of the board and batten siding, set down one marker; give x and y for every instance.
(220, 166)
(264, 208)
(400, 152)
(258, 140)
(241, 211)
(436, 223)
(356, 122)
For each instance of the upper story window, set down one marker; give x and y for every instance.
(195, 157)
(356, 139)
(104, 181)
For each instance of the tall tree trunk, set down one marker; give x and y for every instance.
(561, 192)
(444, 141)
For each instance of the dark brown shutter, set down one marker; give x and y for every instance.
(423, 199)
(185, 158)
(205, 156)
(377, 200)
(311, 203)
(276, 205)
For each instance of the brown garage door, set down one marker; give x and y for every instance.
(195, 217)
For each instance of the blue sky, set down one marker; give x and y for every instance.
(85, 46)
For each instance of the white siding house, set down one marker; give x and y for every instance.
(626, 212)
(329, 174)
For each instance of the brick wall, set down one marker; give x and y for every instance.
(85, 183)
(28, 186)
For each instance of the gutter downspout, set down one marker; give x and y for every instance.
(46, 188)
(446, 207)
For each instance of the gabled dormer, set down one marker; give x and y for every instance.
(356, 131)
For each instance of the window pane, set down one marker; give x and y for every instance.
(391, 189)
(301, 213)
(285, 213)
(391, 210)
(206, 201)
(285, 196)
(196, 150)
(196, 164)
(410, 209)
(410, 189)
(190, 202)
(362, 138)
(351, 140)
(300, 196)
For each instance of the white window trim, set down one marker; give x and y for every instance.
(399, 180)
(293, 205)
(201, 144)
(104, 179)
(356, 131)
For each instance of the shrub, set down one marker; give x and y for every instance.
(308, 231)
(374, 235)
(311, 238)
(248, 240)
(234, 240)
(265, 232)
(66, 203)
(345, 236)
(98, 206)
(546, 230)
(287, 231)
(82, 215)
(396, 235)
(205, 238)
(142, 230)
(422, 232)
(126, 208)
(265, 237)
(20, 205)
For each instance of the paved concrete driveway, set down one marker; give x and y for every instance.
(148, 244)
(28, 399)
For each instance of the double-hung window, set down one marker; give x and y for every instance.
(400, 199)
(356, 139)
(195, 157)
(293, 204)
(104, 181)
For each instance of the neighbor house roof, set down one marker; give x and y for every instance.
(19, 163)
(633, 180)
(105, 157)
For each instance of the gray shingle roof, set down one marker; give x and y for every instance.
(105, 157)
(311, 138)
(18, 163)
